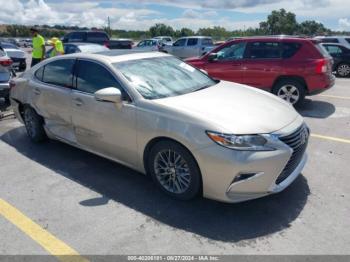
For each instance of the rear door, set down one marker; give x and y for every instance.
(228, 64)
(262, 64)
(102, 127)
(51, 91)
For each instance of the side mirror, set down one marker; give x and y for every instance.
(212, 57)
(109, 94)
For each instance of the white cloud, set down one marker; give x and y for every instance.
(344, 24)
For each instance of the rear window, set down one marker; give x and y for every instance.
(97, 36)
(322, 50)
(192, 41)
(207, 42)
(290, 49)
(76, 37)
(264, 50)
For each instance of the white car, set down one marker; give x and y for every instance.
(149, 45)
(190, 46)
(343, 40)
(17, 56)
(167, 40)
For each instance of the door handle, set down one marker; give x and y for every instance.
(78, 102)
(37, 91)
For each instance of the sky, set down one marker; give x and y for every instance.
(194, 14)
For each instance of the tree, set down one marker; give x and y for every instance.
(312, 28)
(280, 22)
(161, 30)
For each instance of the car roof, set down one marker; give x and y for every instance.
(336, 44)
(334, 36)
(267, 38)
(80, 43)
(114, 56)
(196, 37)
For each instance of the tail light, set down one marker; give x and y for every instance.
(6, 62)
(321, 66)
(106, 44)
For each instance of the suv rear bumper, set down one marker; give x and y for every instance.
(320, 83)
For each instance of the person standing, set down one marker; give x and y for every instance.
(57, 47)
(38, 53)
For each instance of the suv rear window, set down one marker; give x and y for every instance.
(290, 49)
(192, 41)
(264, 50)
(76, 37)
(207, 42)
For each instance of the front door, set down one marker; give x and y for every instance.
(229, 63)
(103, 127)
(178, 48)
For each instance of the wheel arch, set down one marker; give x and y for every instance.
(300, 79)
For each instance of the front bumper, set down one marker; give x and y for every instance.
(221, 166)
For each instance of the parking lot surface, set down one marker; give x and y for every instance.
(98, 207)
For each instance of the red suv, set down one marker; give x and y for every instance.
(289, 67)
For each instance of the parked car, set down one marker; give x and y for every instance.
(17, 56)
(149, 45)
(167, 40)
(190, 46)
(13, 41)
(5, 74)
(97, 37)
(341, 57)
(158, 115)
(25, 43)
(291, 68)
(343, 40)
(72, 48)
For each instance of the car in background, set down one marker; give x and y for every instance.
(25, 43)
(17, 56)
(160, 116)
(167, 40)
(72, 48)
(5, 74)
(13, 41)
(192, 46)
(341, 57)
(343, 40)
(149, 45)
(291, 68)
(97, 37)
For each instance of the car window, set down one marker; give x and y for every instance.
(167, 39)
(70, 49)
(192, 41)
(141, 44)
(329, 40)
(290, 49)
(333, 49)
(232, 52)
(97, 36)
(180, 42)
(92, 77)
(207, 42)
(39, 73)
(347, 40)
(76, 37)
(264, 50)
(59, 72)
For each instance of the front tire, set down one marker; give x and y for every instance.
(291, 91)
(343, 70)
(34, 125)
(174, 170)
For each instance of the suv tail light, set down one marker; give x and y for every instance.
(321, 66)
(6, 62)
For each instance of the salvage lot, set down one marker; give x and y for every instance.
(96, 206)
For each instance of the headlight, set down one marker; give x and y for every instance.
(241, 142)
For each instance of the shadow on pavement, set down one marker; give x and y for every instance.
(210, 219)
(316, 109)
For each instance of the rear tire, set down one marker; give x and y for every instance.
(34, 125)
(291, 91)
(343, 70)
(174, 170)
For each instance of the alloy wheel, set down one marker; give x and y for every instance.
(344, 70)
(289, 93)
(172, 171)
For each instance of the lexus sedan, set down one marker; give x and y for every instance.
(160, 116)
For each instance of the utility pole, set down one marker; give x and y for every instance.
(109, 27)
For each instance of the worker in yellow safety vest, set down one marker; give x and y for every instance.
(57, 47)
(38, 53)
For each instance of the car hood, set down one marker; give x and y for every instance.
(15, 53)
(234, 108)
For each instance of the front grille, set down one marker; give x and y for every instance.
(298, 141)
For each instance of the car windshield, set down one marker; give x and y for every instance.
(163, 77)
(93, 48)
(8, 46)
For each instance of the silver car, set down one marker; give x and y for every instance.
(160, 116)
(5, 74)
(192, 46)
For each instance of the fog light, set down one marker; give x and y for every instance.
(245, 176)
